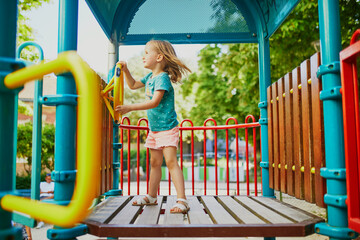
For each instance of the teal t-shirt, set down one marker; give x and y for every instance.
(163, 117)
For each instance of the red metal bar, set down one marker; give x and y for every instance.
(122, 158)
(215, 150)
(254, 150)
(128, 143)
(247, 162)
(220, 127)
(237, 157)
(227, 159)
(138, 156)
(192, 152)
(192, 128)
(138, 160)
(204, 161)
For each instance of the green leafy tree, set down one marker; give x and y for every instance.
(24, 146)
(227, 81)
(25, 31)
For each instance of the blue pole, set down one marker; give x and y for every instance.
(330, 42)
(65, 133)
(264, 83)
(37, 126)
(8, 101)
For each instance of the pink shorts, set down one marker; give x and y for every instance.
(159, 140)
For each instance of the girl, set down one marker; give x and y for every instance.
(163, 138)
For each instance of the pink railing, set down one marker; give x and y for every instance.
(126, 126)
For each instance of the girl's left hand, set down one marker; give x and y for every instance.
(122, 109)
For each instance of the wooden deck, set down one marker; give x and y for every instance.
(209, 216)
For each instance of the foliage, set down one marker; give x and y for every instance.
(24, 108)
(25, 31)
(23, 181)
(227, 81)
(133, 159)
(24, 146)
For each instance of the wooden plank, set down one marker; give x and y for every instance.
(241, 213)
(275, 136)
(298, 154)
(270, 136)
(288, 211)
(127, 215)
(216, 212)
(105, 210)
(171, 218)
(262, 211)
(282, 143)
(318, 131)
(151, 213)
(197, 214)
(289, 137)
(307, 129)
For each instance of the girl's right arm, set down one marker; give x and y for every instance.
(131, 82)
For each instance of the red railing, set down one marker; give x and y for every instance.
(192, 128)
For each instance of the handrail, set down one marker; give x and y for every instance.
(88, 150)
(116, 84)
(220, 127)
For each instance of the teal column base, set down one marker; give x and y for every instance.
(113, 192)
(335, 232)
(11, 233)
(67, 233)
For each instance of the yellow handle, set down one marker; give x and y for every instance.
(88, 149)
(116, 84)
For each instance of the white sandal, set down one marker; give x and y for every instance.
(182, 204)
(144, 201)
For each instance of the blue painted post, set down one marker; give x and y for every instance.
(65, 133)
(8, 23)
(264, 82)
(113, 57)
(37, 126)
(330, 40)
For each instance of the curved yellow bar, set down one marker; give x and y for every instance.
(118, 90)
(88, 150)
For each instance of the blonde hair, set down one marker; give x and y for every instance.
(173, 66)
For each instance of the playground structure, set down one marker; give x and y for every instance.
(96, 169)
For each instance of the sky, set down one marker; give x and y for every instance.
(92, 42)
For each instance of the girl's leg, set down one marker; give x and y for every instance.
(175, 172)
(155, 172)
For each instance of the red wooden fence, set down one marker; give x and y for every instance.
(296, 133)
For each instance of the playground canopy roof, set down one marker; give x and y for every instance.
(134, 22)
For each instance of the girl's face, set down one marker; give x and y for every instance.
(151, 57)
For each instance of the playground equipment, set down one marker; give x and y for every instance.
(126, 22)
(117, 85)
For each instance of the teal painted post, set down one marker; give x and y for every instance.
(37, 127)
(330, 40)
(264, 82)
(113, 57)
(65, 133)
(8, 23)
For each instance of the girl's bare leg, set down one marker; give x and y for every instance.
(155, 172)
(175, 172)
